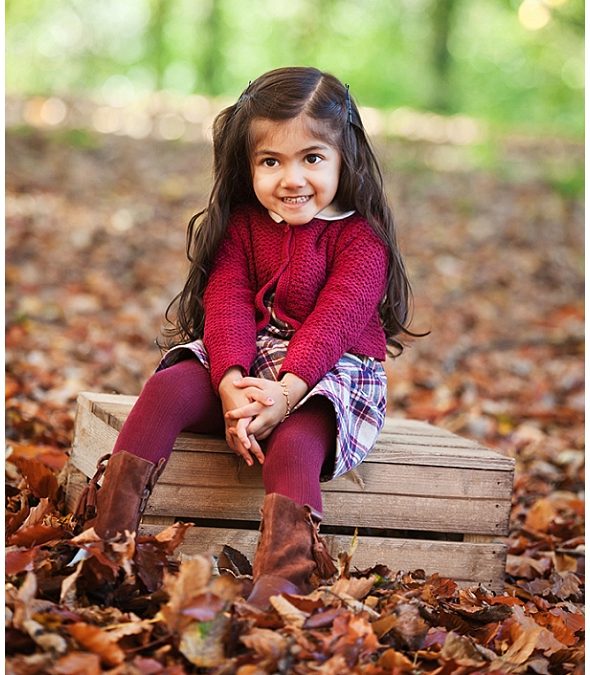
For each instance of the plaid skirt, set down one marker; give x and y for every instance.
(356, 386)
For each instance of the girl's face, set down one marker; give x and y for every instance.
(294, 172)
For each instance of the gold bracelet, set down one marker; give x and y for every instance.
(286, 395)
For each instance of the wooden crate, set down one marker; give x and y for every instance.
(424, 498)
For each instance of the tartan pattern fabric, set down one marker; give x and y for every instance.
(356, 386)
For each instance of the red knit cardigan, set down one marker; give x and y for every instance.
(330, 278)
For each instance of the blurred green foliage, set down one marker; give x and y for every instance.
(470, 56)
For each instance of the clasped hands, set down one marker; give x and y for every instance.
(253, 407)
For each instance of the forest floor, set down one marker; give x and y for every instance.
(94, 253)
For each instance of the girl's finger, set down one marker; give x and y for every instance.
(262, 428)
(256, 450)
(239, 449)
(260, 395)
(250, 382)
(241, 432)
(229, 439)
(242, 452)
(248, 410)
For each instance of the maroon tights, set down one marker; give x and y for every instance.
(181, 398)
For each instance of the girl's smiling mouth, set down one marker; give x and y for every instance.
(302, 199)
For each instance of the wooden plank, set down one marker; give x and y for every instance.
(228, 470)
(74, 484)
(92, 439)
(426, 514)
(170, 501)
(467, 563)
(366, 510)
(392, 447)
(158, 523)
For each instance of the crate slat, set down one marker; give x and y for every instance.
(394, 445)
(228, 470)
(364, 510)
(466, 563)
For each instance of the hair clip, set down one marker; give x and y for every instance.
(348, 104)
(244, 96)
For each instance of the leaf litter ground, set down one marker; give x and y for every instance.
(95, 250)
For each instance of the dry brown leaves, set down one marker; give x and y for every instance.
(95, 240)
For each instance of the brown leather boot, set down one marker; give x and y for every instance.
(119, 503)
(289, 551)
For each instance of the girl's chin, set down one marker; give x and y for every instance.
(297, 215)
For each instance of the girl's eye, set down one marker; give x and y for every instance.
(270, 162)
(313, 159)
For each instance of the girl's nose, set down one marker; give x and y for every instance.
(292, 177)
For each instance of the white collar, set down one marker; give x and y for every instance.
(331, 212)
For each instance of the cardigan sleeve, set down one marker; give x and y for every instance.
(349, 299)
(230, 326)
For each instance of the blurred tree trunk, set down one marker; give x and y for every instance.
(156, 47)
(442, 21)
(212, 60)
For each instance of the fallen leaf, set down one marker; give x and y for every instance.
(462, 651)
(23, 601)
(19, 560)
(52, 457)
(519, 651)
(204, 607)
(353, 587)
(97, 641)
(353, 637)
(77, 663)
(173, 536)
(67, 595)
(410, 627)
(202, 643)
(540, 516)
(383, 625)
(555, 621)
(41, 480)
(488, 614)
(36, 535)
(324, 618)
(49, 642)
(396, 662)
(233, 560)
(288, 612)
(268, 644)
(564, 562)
(190, 582)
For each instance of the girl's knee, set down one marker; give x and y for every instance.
(315, 419)
(183, 378)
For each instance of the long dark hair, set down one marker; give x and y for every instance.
(283, 94)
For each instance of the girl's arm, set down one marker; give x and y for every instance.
(228, 301)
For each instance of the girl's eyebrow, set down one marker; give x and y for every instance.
(304, 151)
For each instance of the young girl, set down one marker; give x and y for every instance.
(295, 289)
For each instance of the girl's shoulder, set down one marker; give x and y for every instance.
(356, 227)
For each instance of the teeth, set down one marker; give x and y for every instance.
(295, 200)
